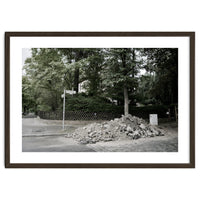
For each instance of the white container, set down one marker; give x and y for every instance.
(153, 119)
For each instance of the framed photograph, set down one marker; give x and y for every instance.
(99, 99)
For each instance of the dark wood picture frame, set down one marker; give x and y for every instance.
(191, 163)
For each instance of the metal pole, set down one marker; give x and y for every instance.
(64, 111)
(72, 91)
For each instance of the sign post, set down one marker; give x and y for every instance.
(63, 96)
(64, 110)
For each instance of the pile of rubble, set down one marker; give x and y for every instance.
(125, 127)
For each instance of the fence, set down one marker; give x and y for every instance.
(77, 115)
(142, 112)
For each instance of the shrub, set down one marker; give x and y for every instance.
(100, 104)
(90, 104)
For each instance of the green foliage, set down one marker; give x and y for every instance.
(98, 104)
(107, 73)
(121, 66)
(145, 111)
(42, 107)
(89, 103)
(92, 71)
(48, 75)
(28, 103)
(121, 69)
(162, 66)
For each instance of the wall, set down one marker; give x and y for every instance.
(90, 15)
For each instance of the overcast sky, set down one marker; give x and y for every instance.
(25, 54)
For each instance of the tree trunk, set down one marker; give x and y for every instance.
(76, 80)
(126, 101)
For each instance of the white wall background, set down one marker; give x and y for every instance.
(104, 15)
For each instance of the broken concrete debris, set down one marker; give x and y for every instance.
(125, 127)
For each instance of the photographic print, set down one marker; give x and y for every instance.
(100, 99)
(113, 99)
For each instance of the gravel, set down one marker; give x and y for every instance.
(125, 127)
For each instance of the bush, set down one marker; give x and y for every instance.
(100, 104)
(146, 110)
(44, 108)
(90, 104)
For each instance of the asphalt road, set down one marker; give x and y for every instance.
(48, 136)
(52, 144)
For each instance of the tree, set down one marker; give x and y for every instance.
(121, 68)
(75, 57)
(28, 103)
(45, 70)
(110, 73)
(92, 71)
(162, 65)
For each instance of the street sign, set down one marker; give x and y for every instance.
(70, 91)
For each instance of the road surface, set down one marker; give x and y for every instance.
(47, 136)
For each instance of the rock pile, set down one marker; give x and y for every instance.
(125, 127)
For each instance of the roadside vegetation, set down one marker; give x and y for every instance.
(119, 80)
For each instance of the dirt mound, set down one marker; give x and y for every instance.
(125, 127)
